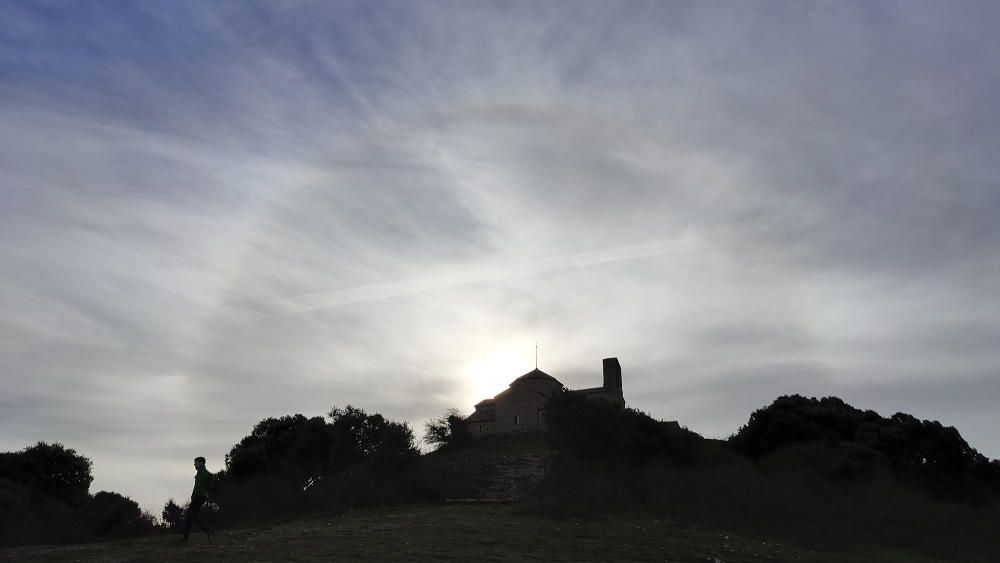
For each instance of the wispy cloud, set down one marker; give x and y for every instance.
(470, 275)
(210, 213)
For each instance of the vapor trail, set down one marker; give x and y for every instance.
(375, 292)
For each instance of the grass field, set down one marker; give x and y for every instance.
(451, 533)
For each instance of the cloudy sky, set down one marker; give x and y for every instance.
(216, 212)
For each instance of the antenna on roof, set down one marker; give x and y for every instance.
(536, 354)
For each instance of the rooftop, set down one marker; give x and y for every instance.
(534, 375)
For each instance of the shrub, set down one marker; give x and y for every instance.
(447, 431)
(44, 498)
(922, 453)
(600, 431)
(293, 464)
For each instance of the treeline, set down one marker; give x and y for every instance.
(816, 471)
(813, 470)
(611, 459)
(285, 466)
(923, 454)
(45, 498)
(295, 464)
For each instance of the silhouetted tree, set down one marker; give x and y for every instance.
(290, 446)
(173, 516)
(359, 437)
(922, 452)
(602, 431)
(302, 449)
(293, 462)
(110, 514)
(51, 470)
(44, 498)
(447, 430)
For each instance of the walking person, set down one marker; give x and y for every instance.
(199, 495)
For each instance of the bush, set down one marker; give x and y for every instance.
(293, 464)
(448, 430)
(922, 453)
(600, 431)
(113, 516)
(44, 498)
(817, 472)
(49, 470)
(609, 458)
(173, 516)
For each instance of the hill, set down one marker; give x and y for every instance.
(457, 533)
(812, 477)
(504, 467)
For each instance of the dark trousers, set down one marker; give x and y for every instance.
(192, 516)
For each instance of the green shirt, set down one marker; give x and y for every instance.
(201, 481)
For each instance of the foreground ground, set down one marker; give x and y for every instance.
(451, 532)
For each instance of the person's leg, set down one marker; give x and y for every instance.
(192, 515)
(188, 515)
(197, 516)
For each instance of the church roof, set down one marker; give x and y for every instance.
(485, 408)
(538, 375)
(480, 416)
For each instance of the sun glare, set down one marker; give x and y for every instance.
(491, 373)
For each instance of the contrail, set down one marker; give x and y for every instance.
(378, 291)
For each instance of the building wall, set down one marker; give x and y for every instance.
(519, 410)
(521, 406)
(483, 427)
(601, 394)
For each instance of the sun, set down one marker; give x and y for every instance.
(490, 373)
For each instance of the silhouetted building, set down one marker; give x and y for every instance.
(522, 405)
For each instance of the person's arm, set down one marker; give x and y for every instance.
(201, 483)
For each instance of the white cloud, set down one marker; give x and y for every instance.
(212, 217)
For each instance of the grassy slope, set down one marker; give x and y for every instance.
(456, 532)
(450, 532)
(496, 448)
(491, 466)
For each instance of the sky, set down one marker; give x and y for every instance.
(216, 212)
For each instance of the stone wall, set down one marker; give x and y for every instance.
(521, 407)
(520, 410)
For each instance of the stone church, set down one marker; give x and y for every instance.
(521, 406)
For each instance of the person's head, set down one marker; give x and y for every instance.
(199, 462)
